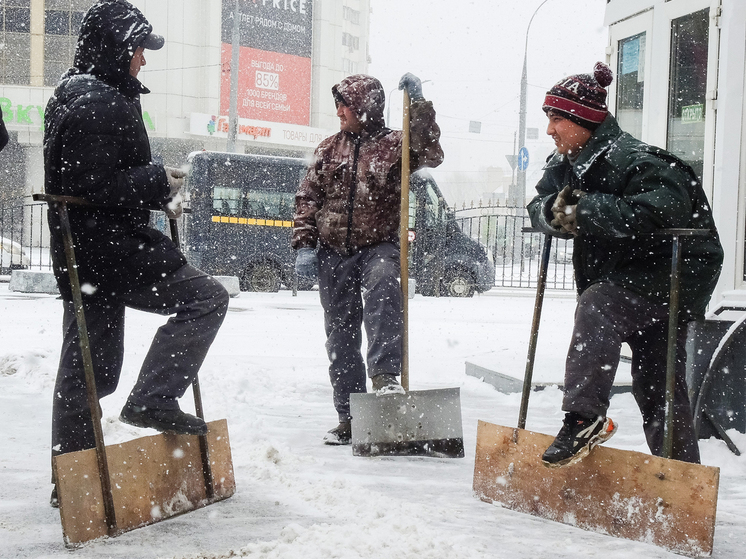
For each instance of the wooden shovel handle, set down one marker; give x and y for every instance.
(404, 242)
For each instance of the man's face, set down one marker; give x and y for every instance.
(348, 120)
(138, 61)
(568, 136)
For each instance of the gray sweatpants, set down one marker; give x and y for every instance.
(198, 304)
(606, 316)
(354, 290)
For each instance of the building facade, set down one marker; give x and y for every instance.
(291, 52)
(680, 69)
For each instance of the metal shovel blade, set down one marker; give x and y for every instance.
(418, 423)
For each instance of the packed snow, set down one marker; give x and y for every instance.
(267, 374)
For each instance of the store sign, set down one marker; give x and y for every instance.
(274, 82)
(692, 113)
(19, 116)
(22, 116)
(258, 131)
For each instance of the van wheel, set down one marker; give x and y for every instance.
(457, 282)
(262, 276)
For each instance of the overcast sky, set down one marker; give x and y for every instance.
(472, 50)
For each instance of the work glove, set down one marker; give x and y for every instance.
(565, 210)
(413, 86)
(307, 264)
(175, 180)
(173, 206)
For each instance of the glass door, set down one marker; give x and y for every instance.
(631, 83)
(688, 88)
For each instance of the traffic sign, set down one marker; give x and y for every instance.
(513, 160)
(523, 159)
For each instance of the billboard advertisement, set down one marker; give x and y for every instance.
(274, 82)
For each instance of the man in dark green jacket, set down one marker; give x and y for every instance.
(611, 193)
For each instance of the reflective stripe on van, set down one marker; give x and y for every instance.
(251, 221)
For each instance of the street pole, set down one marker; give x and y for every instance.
(388, 103)
(235, 48)
(520, 193)
(388, 107)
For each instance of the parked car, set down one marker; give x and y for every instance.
(12, 256)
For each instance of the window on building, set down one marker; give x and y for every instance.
(348, 14)
(688, 88)
(62, 19)
(350, 41)
(631, 84)
(15, 42)
(348, 66)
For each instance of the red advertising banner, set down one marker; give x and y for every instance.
(271, 86)
(274, 81)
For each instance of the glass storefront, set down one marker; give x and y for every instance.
(631, 84)
(688, 88)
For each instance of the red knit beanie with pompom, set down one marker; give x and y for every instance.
(581, 98)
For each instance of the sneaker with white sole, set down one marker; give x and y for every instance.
(576, 439)
(386, 384)
(340, 435)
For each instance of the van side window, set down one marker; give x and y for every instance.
(432, 209)
(226, 201)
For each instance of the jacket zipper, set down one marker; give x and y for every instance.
(353, 191)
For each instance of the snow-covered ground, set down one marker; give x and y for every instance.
(296, 497)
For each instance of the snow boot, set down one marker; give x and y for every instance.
(576, 439)
(340, 435)
(386, 384)
(164, 420)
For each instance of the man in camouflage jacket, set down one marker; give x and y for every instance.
(347, 207)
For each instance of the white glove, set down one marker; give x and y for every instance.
(173, 207)
(175, 180)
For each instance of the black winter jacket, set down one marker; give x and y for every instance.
(96, 147)
(631, 190)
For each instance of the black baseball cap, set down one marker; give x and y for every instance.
(153, 41)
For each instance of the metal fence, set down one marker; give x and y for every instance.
(515, 252)
(500, 229)
(23, 227)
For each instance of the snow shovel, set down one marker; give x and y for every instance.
(109, 490)
(622, 493)
(417, 423)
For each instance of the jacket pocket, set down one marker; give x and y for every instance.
(332, 177)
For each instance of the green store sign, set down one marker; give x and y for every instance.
(692, 113)
(33, 115)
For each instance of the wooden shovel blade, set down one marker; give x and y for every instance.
(622, 493)
(152, 478)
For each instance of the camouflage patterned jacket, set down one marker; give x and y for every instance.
(350, 196)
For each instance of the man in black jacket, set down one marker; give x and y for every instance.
(96, 147)
(4, 138)
(612, 192)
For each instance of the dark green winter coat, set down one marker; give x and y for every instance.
(632, 190)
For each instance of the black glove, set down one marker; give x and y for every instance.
(306, 264)
(413, 85)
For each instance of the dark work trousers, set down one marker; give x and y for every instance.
(198, 304)
(354, 290)
(606, 316)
